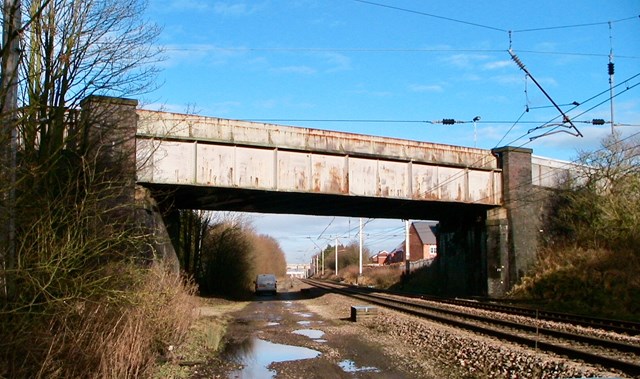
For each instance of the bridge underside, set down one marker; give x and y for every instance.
(245, 200)
(460, 268)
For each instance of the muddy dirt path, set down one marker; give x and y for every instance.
(279, 337)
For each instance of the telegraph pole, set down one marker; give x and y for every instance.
(8, 137)
(336, 256)
(360, 250)
(407, 246)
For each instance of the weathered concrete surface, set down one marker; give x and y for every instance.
(192, 150)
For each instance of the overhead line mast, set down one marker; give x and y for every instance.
(611, 70)
(565, 118)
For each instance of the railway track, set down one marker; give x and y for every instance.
(605, 352)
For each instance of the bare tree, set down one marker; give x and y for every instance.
(601, 206)
(68, 50)
(75, 49)
(71, 253)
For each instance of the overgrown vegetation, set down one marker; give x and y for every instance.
(224, 254)
(384, 277)
(82, 295)
(590, 260)
(348, 255)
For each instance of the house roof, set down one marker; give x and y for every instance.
(426, 232)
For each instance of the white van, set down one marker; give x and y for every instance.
(266, 283)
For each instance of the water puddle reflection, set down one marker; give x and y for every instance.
(304, 322)
(303, 314)
(350, 366)
(311, 333)
(256, 355)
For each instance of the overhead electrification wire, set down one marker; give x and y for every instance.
(457, 176)
(574, 26)
(355, 120)
(534, 196)
(327, 227)
(493, 27)
(511, 128)
(380, 50)
(431, 15)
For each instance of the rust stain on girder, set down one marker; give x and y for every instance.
(229, 153)
(297, 138)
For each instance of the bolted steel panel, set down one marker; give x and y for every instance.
(392, 179)
(363, 177)
(294, 171)
(480, 187)
(144, 160)
(425, 182)
(270, 135)
(231, 153)
(452, 184)
(216, 165)
(254, 168)
(547, 172)
(329, 174)
(172, 162)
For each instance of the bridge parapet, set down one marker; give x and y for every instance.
(551, 173)
(223, 153)
(182, 126)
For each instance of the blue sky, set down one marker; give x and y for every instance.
(392, 67)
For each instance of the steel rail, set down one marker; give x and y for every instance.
(618, 326)
(446, 317)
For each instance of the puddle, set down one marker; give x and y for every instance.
(303, 314)
(304, 322)
(256, 355)
(311, 333)
(273, 323)
(288, 303)
(350, 366)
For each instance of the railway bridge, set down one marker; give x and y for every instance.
(485, 200)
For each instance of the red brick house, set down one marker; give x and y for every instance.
(380, 258)
(423, 243)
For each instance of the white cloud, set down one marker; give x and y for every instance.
(178, 55)
(225, 8)
(465, 60)
(304, 70)
(426, 88)
(228, 9)
(338, 62)
(497, 64)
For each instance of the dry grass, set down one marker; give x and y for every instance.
(590, 281)
(378, 277)
(204, 340)
(112, 338)
(383, 277)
